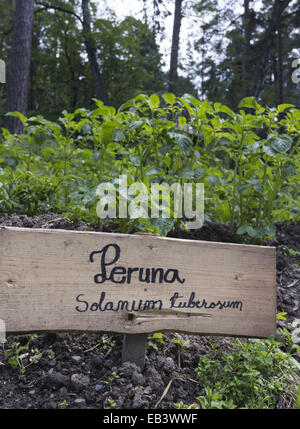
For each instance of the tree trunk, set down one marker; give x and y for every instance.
(277, 10)
(246, 52)
(19, 68)
(280, 66)
(173, 74)
(91, 51)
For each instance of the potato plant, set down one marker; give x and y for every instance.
(248, 160)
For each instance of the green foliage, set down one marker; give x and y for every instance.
(253, 375)
(62, 405)
(128, 54)
(298, 398)
(155, 339)
(217, 57)
(180, 343)
(248, 162)
(112, 378)
(131, 62)
(110, 404)
(182, 406)
(20, 357)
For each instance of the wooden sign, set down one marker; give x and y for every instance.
(69, 281)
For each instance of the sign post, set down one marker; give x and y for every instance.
(72, 281)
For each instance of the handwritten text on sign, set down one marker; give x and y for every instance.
(56, 280)
(121, 275)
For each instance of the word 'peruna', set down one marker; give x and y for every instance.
(120, 275)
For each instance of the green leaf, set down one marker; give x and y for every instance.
(229, 112)
(213, 179)
(154, 101)
(250, 103)
(124, 106)
(135, 160)
(198, 173)
(187, 173)
(85, 128)
(288, 170)
(208, 134)
(256, 145)
(96, 156)
(183, 141)
(282, 107)
(18, 115)
(10, 161)
(263, 230)
(281, 143)
(153, 345)
(281, 316)
(246, 229)
(152, 171)
(163, 225)
(182, 122)
(166, 148)
(13, 361)
(39, 138)
(117, 135)
(298, 398)
(169, 98)
(48, 151)
(186, 105)
(223, 211)
(269, 150)
(134, 125)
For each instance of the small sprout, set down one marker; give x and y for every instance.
(62, 405)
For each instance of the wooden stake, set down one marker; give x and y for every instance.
(134, 349)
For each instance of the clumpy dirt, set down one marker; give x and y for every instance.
(82, 371)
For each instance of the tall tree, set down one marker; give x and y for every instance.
(279, 65)
(270, 34)
(130, 57)
(241, 53)
(173, 73)
(92, 51)
(19, 68)
(247, 27)
(59, 70)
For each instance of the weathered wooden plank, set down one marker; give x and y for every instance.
(56, 280)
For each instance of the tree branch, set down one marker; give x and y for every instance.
(295, 12)
(59, 8)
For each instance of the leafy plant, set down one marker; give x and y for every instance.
(181, 406)
(298, 398)
(112, 378)
(21, 357)
(62, 405)
(181, 344)
(247, 160)
(154, 339)
(110, 404)
(255, 374)
(213, 400)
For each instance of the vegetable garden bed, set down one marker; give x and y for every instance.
(85, 370)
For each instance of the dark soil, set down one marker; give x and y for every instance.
(86, 371)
